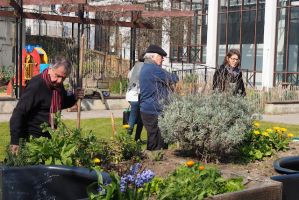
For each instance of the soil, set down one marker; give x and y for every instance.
(252, 173)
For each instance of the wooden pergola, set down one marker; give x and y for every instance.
(134, 11)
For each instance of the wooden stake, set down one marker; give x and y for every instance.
(113, 125)
(82, 52)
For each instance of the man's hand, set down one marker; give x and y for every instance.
(14, 149)
(79, 93)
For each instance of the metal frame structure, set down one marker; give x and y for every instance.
(241, 9)
(80, 6)
(192, 52)
(285, 76)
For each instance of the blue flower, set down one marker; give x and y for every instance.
(135, 168)
(145, 177)
(123, 183)
(134, 179)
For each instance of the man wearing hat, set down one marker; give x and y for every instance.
(155, 85)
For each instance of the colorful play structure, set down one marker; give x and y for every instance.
(34, 62)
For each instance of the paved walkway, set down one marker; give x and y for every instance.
(284, 118)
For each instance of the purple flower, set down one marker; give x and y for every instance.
(134, 179)
(145, 177)
(135, 168)
(123, 183)
(130, 178)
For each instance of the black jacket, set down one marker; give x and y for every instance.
(33, 109)
(222, 79)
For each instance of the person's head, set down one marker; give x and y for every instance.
(232, 58)
(155, 53)
(59, 70)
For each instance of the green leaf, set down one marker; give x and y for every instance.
(48, 161)
(57, 162)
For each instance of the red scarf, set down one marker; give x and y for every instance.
(56, 96)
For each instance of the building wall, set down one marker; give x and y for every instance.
(7, 41)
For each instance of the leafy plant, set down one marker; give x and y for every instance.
(211, 125)
(66, 147)
(6, 73)
(127, 147)
(196, 182)
(119, 84)
(262, 143)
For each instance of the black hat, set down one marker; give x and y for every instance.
(156, 49)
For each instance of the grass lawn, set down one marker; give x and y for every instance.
(102, 128)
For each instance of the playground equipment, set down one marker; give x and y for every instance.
(34, 62)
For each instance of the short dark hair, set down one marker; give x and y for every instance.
(230, 53)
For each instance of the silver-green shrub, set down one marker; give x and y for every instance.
(211, 125)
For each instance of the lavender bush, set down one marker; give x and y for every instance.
(211, 126)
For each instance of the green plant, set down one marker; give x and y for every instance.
(66, 147)
(261, 143)
(196, 182)
(212, 125)
(127, 147)
(119, 85)
(158, 155)
(191, 78)
(6, 73)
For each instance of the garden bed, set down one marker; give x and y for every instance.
(254, 173)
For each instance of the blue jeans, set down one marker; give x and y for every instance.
(135, 118)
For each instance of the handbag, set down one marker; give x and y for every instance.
(126, 116)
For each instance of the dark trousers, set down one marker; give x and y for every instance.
(154, 138)
(135, 118)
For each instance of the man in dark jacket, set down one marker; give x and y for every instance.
(155, 84)
(42, 98)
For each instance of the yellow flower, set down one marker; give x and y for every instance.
(96, 160)
(276, 128)
(265, 134)
(269, 130)
(256, 132)
(283, 129)
(190, 163)
(201, 167)
(256, 124)
(126, 126)
(290, 135)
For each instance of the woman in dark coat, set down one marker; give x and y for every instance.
(229, 76)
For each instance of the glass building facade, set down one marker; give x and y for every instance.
(287, 43)
(240, 25)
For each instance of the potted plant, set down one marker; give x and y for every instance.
(6, 74)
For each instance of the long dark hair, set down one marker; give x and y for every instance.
(229, 54)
